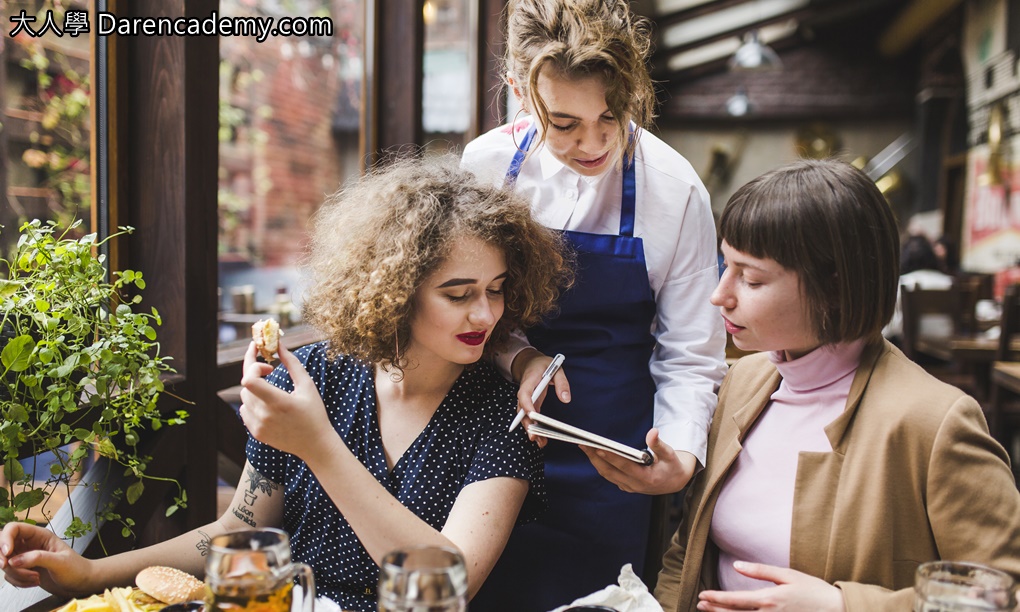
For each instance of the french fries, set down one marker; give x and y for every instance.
(125, 599)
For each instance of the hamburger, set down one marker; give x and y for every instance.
(266, 333)
(169, 585)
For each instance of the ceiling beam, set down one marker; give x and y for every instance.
(799, 14)
(711, 6)
(673, 78)
(911, 24)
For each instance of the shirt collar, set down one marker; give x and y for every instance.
(550, 165)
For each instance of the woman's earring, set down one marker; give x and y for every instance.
(513, 129)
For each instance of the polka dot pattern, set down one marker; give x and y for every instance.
(466, 441)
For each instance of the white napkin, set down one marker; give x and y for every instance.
(326, 605)
(631, 595)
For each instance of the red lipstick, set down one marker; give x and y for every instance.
(472, 338)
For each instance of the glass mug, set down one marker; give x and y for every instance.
(423, 579)
(251, 571)
(952, 586)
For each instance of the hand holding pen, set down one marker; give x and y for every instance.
(547, 376)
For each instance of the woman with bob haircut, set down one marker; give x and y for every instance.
(836, 465)
(393, 431)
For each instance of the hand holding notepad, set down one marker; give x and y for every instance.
(550, 371)
(554, 429)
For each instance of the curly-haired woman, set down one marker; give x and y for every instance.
(391, 432)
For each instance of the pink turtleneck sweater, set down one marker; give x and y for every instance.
(755, 508)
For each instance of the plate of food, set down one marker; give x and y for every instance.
(158, 587)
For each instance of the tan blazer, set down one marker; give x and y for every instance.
(913, 477)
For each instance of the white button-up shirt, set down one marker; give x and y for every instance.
(674, 221)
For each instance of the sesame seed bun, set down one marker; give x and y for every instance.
(169, 585)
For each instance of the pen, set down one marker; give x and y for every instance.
(542, 384)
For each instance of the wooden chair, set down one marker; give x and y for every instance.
(943, 354)
(1003, 411)
(916, 304)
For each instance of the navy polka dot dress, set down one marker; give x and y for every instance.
(466, 441)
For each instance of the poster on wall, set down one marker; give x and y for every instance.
(991, 235)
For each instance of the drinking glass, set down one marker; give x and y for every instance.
(251, 571)
(423, 579)
(952, 586)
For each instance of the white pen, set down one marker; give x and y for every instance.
(542, 384)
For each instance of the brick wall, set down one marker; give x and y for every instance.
(285, 158)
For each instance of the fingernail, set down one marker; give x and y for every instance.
(565, 395)
(5, 549)
(739, 565)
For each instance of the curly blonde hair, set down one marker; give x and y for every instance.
(579, 39)
(376, 240)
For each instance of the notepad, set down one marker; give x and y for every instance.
(554, 429)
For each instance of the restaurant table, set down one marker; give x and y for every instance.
(1007, 374)
(975, 353)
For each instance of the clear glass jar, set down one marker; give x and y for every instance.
(423, 579)
(952, 586)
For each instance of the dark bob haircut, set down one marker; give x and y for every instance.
(826, 221)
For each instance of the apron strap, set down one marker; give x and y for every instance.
(522, 151)
(628, 200)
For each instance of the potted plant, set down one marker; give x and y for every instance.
(81, 370)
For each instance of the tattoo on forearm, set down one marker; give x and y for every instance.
(245, 515)
(203, 544)
(258, 482)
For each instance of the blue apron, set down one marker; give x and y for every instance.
(604, 329)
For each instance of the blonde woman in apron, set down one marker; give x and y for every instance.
(643, 345)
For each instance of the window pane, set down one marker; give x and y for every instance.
(448, 86)
(289, 132)
(44, 92)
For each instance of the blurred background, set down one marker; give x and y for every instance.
(219, 149)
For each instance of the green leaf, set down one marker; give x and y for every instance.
(28, 499)
(13, 470)
(42, 305)
(8, 288)
(16, 355)
(18, 413)
(6, 515)
(172, 509)
(77, 528)
(149, 332)
(135, 491)
(107, 449)
(3, 497)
